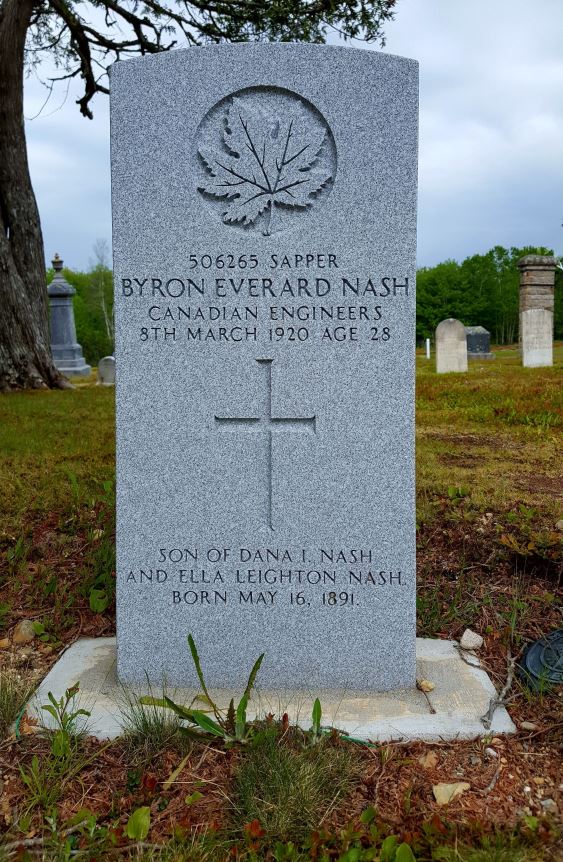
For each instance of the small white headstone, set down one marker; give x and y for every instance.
(451, 346)
(537, 337)
(428, 348)
(106, 371)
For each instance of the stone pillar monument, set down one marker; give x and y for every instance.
(537, 289)
(67, 353)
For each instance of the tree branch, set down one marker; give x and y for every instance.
(81, 45)
(155, 25)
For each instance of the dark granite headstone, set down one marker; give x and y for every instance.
(478, 343)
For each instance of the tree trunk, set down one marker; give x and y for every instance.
(25, 352)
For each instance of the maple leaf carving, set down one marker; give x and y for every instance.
(266, 161)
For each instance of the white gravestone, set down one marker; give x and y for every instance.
(451, 346)
(264, 211)
(536, 326)
(106, 371)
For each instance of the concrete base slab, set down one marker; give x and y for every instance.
(452, 710)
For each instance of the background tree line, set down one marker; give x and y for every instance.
(482, 290)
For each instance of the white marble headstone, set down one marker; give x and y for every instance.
(451, 346)
(106, 371)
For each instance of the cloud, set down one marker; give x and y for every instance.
(70, 169)
(491, 125)
(491, 128)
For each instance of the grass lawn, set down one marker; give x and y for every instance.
(490, 556)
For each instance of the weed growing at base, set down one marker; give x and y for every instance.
(149, 729)
(15, 691)
(46, 778)
(231, 726)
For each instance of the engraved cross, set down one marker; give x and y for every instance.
(267, 425)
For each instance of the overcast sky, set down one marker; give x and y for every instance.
(491, 134)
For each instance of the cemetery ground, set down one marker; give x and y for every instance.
(489, 536)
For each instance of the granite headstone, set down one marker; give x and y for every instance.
(478, 343)
(451, 346)
(264, 213)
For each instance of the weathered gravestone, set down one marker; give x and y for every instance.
(451, 346)
(478, 343)
(537, 299)
(264, 211)
(536, 332)
(106, 371)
